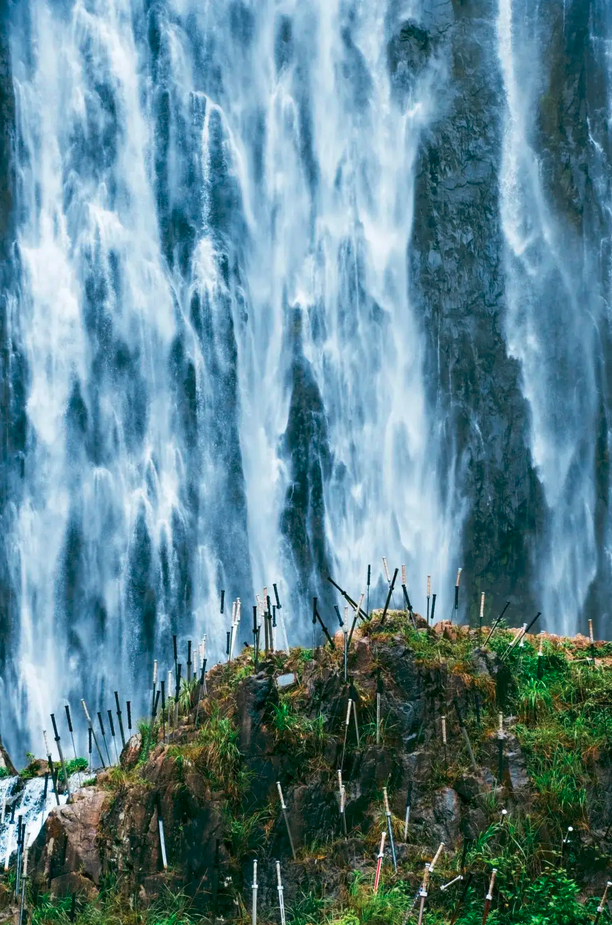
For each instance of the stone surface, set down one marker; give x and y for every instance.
(131, 751)
(68, 844)
(516, 769)
(457, 268)
(116, 834)
(254, 699)
(447, 813)
(5, 760)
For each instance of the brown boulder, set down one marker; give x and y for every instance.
(37, 767)
(360, 654)
(449, 630)
(71, 883)
(131, 752)
(68, 844)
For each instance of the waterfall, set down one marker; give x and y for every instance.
(288, 287)
(214, 204)
(32, 801)
(556, 220)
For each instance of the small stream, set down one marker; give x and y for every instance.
(29, 801)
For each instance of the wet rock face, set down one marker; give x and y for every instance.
(456, 265)
(572, 110)
(7, 115)
(253, 700)
(306, 448)
(13, 375)
(5, 760)
(192, 816)
(408, 52)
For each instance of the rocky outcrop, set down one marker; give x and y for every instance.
(206, 800)
(66, 857)
(214, 819)
(131, 751)
(5, 761)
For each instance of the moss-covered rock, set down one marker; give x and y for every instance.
(213, 782)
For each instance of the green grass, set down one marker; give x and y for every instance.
(215, 753)
(111, 908)
(304, 737)
(247, 834)
(147, 733)
(566, 725)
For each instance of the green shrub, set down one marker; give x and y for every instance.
(74, 766)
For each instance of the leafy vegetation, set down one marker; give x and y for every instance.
(303, 736)
(74, 766)
(215, 753)
(566, 725)
(110, 908)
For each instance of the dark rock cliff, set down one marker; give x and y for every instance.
(456, 264)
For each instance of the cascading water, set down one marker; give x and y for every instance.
(31, 801)
(288, 287)
(556, 220)
(214, 206)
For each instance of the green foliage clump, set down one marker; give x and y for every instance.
(247, 834)
(215, 753)
(111, 908)
(30, 771)
(302, 735)
(148, 741)
(565, 724)
(74, 766)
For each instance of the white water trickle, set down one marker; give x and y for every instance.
(27, 801)
(551, 330)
